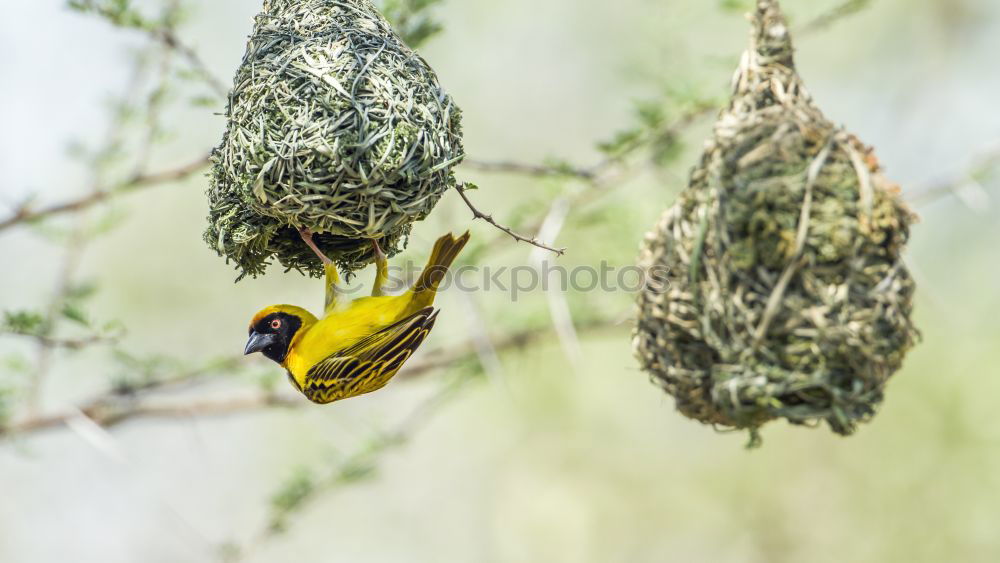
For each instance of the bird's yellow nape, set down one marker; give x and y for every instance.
(306, 317)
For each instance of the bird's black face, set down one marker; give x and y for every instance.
(272, 335)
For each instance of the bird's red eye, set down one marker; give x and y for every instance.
(276, 324)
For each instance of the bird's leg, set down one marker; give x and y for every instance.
(307, 237)
(381, 270)
(329, 268)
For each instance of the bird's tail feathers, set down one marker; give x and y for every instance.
(446, 249)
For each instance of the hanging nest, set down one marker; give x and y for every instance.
(776, 284)
(334, 125)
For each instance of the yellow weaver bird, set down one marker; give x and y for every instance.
(358, 346)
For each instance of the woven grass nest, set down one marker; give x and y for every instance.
(777, 287)
(333, 124)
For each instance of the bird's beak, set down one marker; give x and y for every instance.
(258, 342)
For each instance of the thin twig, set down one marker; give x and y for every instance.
(124, 401)
(596, 173)
(46, 346)
(525, 169)
(107, 415)
(65, 343)
(171, 41)
(477, 214)
(154, 106)
(984, 163)
(559, 309)
(833, 15)
(482, 342)
(26, 214)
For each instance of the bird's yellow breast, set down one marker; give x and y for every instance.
(342, 328)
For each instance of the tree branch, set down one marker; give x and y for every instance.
(65, 343)
(984, 163)
(120, 405)
(26, 214)
(170, 40)
(477, 214)
(109, 414)
(595, 173)
(833, 15)
(524, 169)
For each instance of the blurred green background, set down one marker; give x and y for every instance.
(554, 455)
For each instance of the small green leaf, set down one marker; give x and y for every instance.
(23, 322)
(734, 5)
(204, 102)
(294, 491)
(74, 313)
(81, 291)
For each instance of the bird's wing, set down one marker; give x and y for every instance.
(370, 363)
